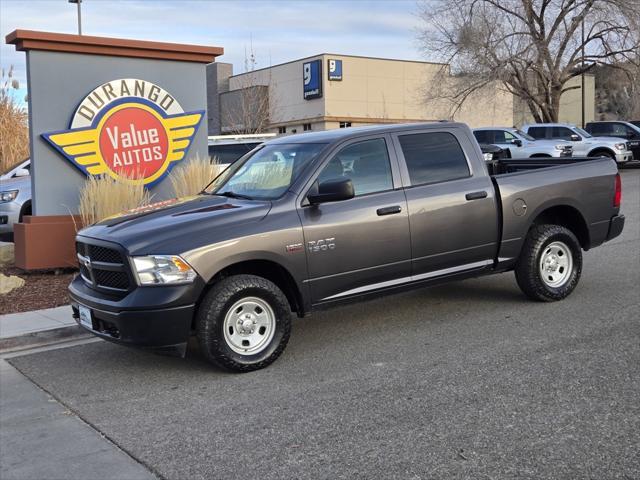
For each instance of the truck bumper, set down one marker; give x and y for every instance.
(616, 224)
(157, 318)
(624, 157)
(9, 214)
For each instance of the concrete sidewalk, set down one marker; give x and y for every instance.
(40, 438)
(27, 329)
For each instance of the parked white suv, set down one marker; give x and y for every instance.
(584, 144)
(520, 145)
(15, 196)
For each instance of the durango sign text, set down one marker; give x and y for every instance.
(127, 128)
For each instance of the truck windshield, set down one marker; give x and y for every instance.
(582, 132)
(526, 136)
(268, 173)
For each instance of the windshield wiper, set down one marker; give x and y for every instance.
(234, 195)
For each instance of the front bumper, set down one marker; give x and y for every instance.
(616, 224)
(9, 214)
(150, 317)
(624, 157)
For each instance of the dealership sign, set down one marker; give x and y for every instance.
(127, 128)
(312, 79)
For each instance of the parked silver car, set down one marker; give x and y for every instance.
(15, 196)
(520, 145)
(584, 144)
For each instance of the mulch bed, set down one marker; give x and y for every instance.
(41, 290)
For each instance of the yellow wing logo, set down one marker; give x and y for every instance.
(133, 137)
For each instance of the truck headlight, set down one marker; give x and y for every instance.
(163, 269)
(488, 156)
(8, 196)
(620, 146)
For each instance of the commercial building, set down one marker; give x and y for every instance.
(331, 91)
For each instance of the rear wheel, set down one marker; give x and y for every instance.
(243, 323)
(550, 264)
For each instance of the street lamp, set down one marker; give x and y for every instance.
(78, 2)
(582, 76)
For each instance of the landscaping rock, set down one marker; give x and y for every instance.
(7, 255)
(8, 283)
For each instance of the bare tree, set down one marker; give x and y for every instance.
(246, 110)
(14, 125)
(531, 47)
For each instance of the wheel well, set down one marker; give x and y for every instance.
(568, 217)
(273, 272)
(540, 155)
(600, 151)
(25, 210)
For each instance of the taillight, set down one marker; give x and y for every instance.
(617, 197)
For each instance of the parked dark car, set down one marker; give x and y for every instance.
(308, 221)
(493, 152)
(620, 129)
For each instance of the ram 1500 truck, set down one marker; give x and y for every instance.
(306, 221)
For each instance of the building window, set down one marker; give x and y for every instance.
(306, 127)
(282, 129)
(345, 124)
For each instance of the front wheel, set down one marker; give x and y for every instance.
(243, 323)
(550, 263)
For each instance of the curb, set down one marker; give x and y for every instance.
(41, 338)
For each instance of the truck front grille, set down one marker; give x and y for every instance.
(104, 268)
(567, 151)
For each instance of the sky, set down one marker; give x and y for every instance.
(277, 31)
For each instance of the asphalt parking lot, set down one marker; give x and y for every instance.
(466, 380)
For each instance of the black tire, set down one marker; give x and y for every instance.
(603, 153)
(210, 322)
(528, 273)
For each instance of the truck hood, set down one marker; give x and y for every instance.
(15, 183)
(609, 141)
(177, 225)
(546, 143)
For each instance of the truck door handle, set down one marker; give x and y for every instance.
(476, 195)
(389, 210)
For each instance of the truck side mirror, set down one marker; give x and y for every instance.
(21, 172)
(575, 138)
(332, 191)
(517, 142)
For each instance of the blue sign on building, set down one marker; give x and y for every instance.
(312, 79)
(335, 69)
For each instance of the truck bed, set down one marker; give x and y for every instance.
(580, 188)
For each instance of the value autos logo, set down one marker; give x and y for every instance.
(127, 128)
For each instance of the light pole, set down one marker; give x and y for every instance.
(582, 79)
(78, 2)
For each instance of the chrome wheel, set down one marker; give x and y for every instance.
(249, 326)
(556, 264)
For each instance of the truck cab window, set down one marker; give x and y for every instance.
(538, 132)
(433, 157)
(562, 133)
(365, 163)
(483, 136)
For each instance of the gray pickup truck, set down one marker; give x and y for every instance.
(305, 221)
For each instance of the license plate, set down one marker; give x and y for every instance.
(85, 316)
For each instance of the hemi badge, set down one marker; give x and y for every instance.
(294, 247)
